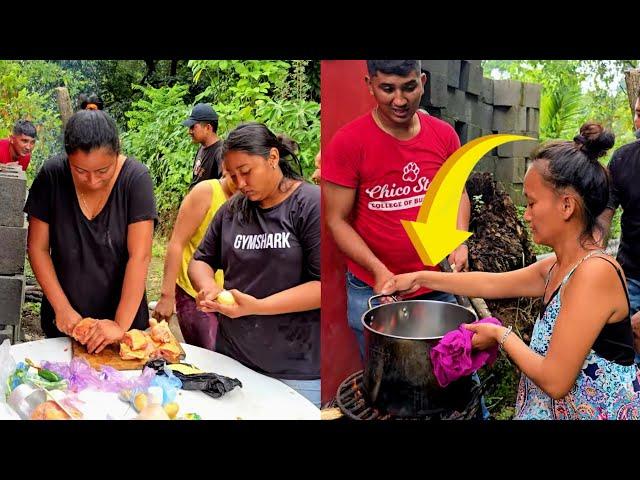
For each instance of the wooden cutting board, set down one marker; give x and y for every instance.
(110, 356)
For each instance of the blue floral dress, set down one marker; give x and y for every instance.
(604, 390)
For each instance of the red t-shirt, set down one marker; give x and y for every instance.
(391, 177)
(5, 154)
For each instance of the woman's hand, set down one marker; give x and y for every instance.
(103, 333)
(165, 308)
(245, 305)
(67, 320)
(486, 335)
(403, 283)
(205, 301)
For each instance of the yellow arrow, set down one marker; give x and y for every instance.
(434, 234)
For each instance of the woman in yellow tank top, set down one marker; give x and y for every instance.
(196, 212)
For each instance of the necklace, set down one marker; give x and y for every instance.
(91, 212)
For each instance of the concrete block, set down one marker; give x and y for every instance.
(533, 120)
(13, 191)
(453, 73)
(510, 170)
(514, 190)
(482, 115)
(521, 148)
(13, 245)
(486, 95)
(449, 120)
(475, 63)
(435, 66)
(467, 132)
(486, 164)
(509, 119)
(435, 92)
(470, 104)
(456, 103)
(11, 299)
(6, 331)
(470, 78)
(432, 111)
(507, 93)
(531, 95)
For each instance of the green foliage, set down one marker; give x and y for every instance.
(26, 93)
(157, 138)
(276, 93)
(149, 100)
(575, 91)
(561, 113)
(501, 396)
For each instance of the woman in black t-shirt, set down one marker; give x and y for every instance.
(267, 241)
(91, 219)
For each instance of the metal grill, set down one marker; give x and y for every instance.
(352, 402)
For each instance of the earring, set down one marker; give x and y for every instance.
(273, 166)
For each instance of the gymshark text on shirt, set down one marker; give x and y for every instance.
(262, 241)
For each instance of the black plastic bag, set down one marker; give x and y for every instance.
(212, 384)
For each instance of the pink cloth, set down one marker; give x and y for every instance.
(453, 358)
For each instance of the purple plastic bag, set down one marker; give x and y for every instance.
(81, 376)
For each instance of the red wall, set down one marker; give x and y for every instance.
(344, 97)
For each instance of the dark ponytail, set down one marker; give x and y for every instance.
(256, 139)
(575, 164)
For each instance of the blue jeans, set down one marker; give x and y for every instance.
(309, 389)
(633, 286)
(358, 294)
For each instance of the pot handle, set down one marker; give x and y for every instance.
(395, 299)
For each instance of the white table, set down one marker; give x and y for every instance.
(260, 397)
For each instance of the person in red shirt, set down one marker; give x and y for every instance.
(376, 171)
(18, 147)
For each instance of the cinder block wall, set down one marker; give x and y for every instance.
(458, 93)
(13, 244)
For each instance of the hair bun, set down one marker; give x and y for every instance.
(594, 140)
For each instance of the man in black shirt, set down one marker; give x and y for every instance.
(203, 127)
(624, 168)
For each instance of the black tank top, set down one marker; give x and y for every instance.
(615, 340)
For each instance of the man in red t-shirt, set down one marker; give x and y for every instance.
(376, 171)
(18, 147)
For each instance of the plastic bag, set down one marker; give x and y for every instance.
(7, 367)
(81, 376)
(170, 385)
(212, 384)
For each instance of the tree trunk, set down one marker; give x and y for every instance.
(632, 79)
(151, 69)
(64, 105)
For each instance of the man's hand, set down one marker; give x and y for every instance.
(381, 277)
(165, 308)
(103, 333)
(459, 259)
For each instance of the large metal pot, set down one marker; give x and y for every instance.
(398, 375)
